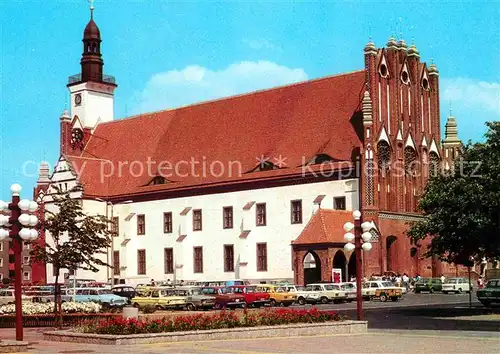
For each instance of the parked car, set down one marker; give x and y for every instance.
(428, 284)
(103, 296)
(195, 299)
(456, 285)
(161, 299)
(490, 294)
(382, 290)
(7, 297)
(224, 299)
(304, 294)
(124, 291)
(278, 295)
(329, 292)
(350, 290)
(253, 297)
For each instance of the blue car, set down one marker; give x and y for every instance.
(102, 296)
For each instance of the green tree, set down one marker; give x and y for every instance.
(77, 238)
(461, 207)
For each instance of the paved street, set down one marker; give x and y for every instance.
(423, 323)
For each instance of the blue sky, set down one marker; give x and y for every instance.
(159, 50)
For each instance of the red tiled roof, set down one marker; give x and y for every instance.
(326, 226)
(294, 122)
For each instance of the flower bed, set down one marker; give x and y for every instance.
(221, 320)
(34, 308)
(41, 314)
(51, 320)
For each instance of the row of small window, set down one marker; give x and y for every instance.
(26, 246)
(169, 266)
(12, 274)
(339, 203)
(26, 260)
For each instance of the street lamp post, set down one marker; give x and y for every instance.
(17, 227)
(361, 237)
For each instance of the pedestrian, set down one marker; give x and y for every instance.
(443, 278)
(182, 282)
(153, 282)
(169, 282)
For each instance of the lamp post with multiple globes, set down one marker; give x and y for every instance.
(361, 237)
(18, 225)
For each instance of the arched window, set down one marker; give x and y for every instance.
(434, 164)
(383, 156)
(410, 161)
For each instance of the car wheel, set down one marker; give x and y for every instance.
(302, 301)
(486, 303)
(272, 303)
(383, 298)
(324, 300)
(445, 292)
(459, 291)
(287, 304)
(417, 291)
(190, 307)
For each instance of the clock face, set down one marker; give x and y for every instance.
(76, 136)
(78, 99)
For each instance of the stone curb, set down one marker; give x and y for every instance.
(302, 329)
(11, 346)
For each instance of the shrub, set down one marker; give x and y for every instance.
(35, 308)
(223, 319)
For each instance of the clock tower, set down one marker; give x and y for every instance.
(91, 91)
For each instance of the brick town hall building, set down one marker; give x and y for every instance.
(257, 186)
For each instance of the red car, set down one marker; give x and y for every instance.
(224, 299)
(253, 298)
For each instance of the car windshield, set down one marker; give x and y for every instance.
(451, 281)
(104, 292)
(332, 287)
(493, 284)
(348, 287)
(387, 284)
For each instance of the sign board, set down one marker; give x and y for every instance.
(336, 275)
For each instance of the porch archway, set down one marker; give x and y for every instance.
(340, 262)
(312, 268)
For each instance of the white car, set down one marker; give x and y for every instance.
(456, 285)
(350, 290)
(305, 295)
(7, 297)
(329, 292)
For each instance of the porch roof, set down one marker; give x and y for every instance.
(325, 226)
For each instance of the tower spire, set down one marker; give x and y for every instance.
(91, 9)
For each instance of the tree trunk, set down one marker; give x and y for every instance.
(56, 291)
